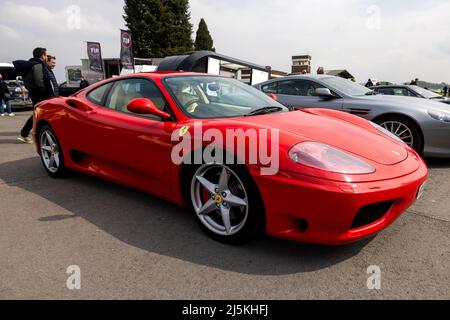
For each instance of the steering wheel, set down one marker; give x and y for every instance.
(190, 107)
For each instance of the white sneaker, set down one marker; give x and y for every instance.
(25, 140)
(2, 114)
(11, 114)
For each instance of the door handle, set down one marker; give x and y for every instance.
(79, 105)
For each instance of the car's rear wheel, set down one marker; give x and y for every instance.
(51, 153)
(226, 203)
(405, 129)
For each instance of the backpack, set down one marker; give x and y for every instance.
(25, 70)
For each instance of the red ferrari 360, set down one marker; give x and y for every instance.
(332, 178)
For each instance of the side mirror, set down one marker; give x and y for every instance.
(146, 106)
(324, 93)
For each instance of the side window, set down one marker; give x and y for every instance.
(304, 88)
(270, 88)
(386, 91)
(97, 95)
(411, 94)
(125, 91)
(400, 92)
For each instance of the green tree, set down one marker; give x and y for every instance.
(203, 40)
(159, 27)
(178, 29)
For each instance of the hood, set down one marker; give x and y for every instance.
(23, 67)
(340, 134)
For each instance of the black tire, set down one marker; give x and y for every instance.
(418, 142)
(61, 169)
(255, 223)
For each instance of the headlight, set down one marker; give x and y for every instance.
(18, 90)
(321, 156)
(387, 132)
(439, 115)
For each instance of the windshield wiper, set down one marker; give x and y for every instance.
(372, 93)
(264, 110)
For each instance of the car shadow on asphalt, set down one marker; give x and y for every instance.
(436, 163)
(154, 225)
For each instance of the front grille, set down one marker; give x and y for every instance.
(371, 213)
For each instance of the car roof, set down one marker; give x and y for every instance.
(309, 76)
(162, 74)
(392, 86)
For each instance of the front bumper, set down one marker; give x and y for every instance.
(312, 210)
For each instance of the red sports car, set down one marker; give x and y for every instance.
(328, 178)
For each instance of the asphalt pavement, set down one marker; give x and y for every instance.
(130, 245)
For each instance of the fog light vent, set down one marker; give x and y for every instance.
(371, 213)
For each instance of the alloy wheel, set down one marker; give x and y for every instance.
(219, 199)
(50, 151)
(400, 130)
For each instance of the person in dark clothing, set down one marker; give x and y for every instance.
(51, 64)
(369, 83)
(4, 98)
(84, 83)
(35, 77)
(415, 82)
(445, 91)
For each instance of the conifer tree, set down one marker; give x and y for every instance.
(203, 40)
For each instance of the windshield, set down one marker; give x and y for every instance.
(209, 97)
(346, 86)
(426, 93)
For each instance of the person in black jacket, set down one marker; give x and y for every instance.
(51, 64)
(84, 83)
(4, 98)
(369, 83)
(35, 77)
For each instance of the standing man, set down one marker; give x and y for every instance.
(4, 98)
(51, 64)
(84, 83)
(369, 83)
(445, 91)
(35, 77)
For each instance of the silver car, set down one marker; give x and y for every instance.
(19, 95)
(410, 91)
(422, 124)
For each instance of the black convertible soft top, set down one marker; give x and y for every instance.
(198, 62)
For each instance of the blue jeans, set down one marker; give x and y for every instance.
(8, 106)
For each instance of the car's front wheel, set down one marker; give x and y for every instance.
(51, 153)
(226, 203)
(405, 129)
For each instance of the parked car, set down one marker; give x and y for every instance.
(422, 124)
(66, 91)
(19, 94)
(339, 178)
(410, 91)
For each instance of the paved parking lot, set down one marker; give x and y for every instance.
(130, 245)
